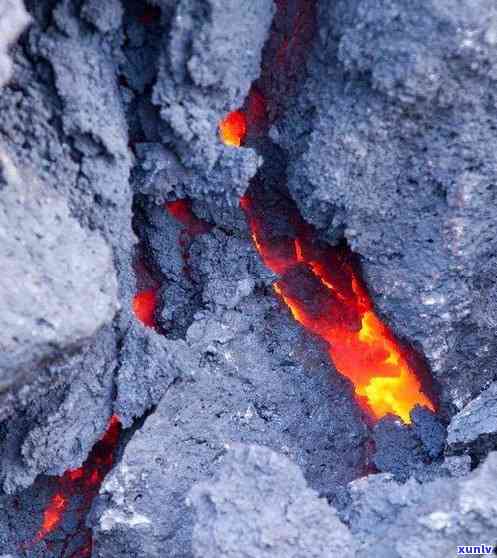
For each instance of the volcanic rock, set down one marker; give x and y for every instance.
(58, 285)
(240, 385)
(390, 520)
(258, 505)
(475, 426)
(13, 20)
(398, 157)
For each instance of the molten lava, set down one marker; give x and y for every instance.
(75, 492)
(182, 211)
(52, 516)
(144, 305)
(233, 128)
(322, 288)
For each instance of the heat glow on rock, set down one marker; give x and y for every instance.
(74, 495)
(322, 287)
(182, 211)
(144, 305)
(233, 128)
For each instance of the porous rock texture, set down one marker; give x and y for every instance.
(241, 438)
(392, 146)
(58, 285)
(13, 19)
(272, 512)
(475, 426)
(436, 515)
(240, 383)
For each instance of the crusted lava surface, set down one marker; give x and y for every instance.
(248, 278)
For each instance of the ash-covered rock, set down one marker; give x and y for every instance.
(63, 117)
(396, 520)
(474, 428)
(62, 422)
(409, 450)
(258, 505)
(58, 285)
(391, 146)
(149, 364)
(255, 379)
(207, 62)
(228, 268)
(13, 20)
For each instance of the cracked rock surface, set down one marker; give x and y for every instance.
(258, 505)
(240, 437)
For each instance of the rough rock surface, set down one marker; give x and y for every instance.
(244, 383)
(409, 450)
(392, 146)
(58, 428)
(475, 426)
(204, 70)
(112, 109)
(259, 506)
(13, 20)
(435, 516)
(66, 130)
(58, 286)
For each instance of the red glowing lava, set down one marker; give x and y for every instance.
(322, 288)
(52, 516)
(76, 490)
(144, 305)
(233, 128)
(182, 211)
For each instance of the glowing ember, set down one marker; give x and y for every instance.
(182, 211)
(76, 490)
(323, 290)
(52, 516)
(144, 305)
(233, 129)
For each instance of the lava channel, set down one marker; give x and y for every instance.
(322, 287)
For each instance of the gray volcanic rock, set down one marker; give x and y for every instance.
(204, 71)
(58, 285)
(67, 411)
(392, 146)
(390, 520)
(149, 364)
(258, 505)
(13, 20)
(476, 424)
(62, 117)
(243, 383)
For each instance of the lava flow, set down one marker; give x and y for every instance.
(75, 492)
(233, 128)
(322, 288)
(144, 305)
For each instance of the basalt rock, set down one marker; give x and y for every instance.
(258, 505)
(58, 285)
(396, 153)
(436, 516)
(474, 428)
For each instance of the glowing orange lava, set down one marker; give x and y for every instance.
(144, 305)
(52, 516)
(324, 292)
(76, 490)
(233, 128)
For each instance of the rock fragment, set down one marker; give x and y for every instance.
(258, 505)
